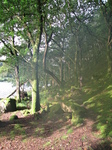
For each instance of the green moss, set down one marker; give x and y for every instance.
(70, 131)
(13, 117)
(12, 134)
(24, 140)
(26, 112)
(46, 144)
(76, 119)
(55, 110)
(19, 129)
(64, 137)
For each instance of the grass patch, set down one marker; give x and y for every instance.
(42, 130)
(46, 144)
(24, 140)
(39, 131)
(18, 130)
(12, 134)
(64, 137)
(70, 131)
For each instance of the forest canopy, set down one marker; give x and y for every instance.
(55, 42)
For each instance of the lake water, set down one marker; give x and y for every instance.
(6, 89)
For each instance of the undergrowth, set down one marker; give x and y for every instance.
(95, 98)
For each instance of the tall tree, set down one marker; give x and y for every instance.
(28, 20)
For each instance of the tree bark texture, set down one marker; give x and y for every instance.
(17, 82)
(109, 50)
(35, 84)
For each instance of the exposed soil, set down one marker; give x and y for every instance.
(47, 134)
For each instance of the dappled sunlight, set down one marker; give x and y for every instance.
(50, 130)
(101, 105)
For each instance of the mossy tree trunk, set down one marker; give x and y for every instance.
(76, 65)
(46, 81)
(109, 70)
(35, 42)
(15, 54)
(107, 13)
(109, 50)
(17, 82)
(61, 70)
(35, 84)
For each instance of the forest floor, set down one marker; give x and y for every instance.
(44, 133)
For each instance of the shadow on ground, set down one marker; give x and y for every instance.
(33, 125)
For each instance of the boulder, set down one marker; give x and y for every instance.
(7, 105)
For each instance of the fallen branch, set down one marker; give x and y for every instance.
(16, 89)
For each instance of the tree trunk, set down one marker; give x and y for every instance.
(107, 13)
(44, 63)
(75, 66)
(80, 67)
(78, 64)
(61, 70)
(109, 51)
(17, 82)
(46, 81)
(35, 84)
(109, 70)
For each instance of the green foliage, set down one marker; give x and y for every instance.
(79, 41)
(100, 103)
(44, 96)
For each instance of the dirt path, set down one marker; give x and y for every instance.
(29, 133)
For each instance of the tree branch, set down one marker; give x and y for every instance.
(44, 60)
(16, 89)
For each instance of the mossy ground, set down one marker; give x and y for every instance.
(88, 117)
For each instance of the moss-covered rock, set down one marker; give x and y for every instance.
(13, 117)
(7, 105)
(55, 110)
(76, 119)
(75, 110)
